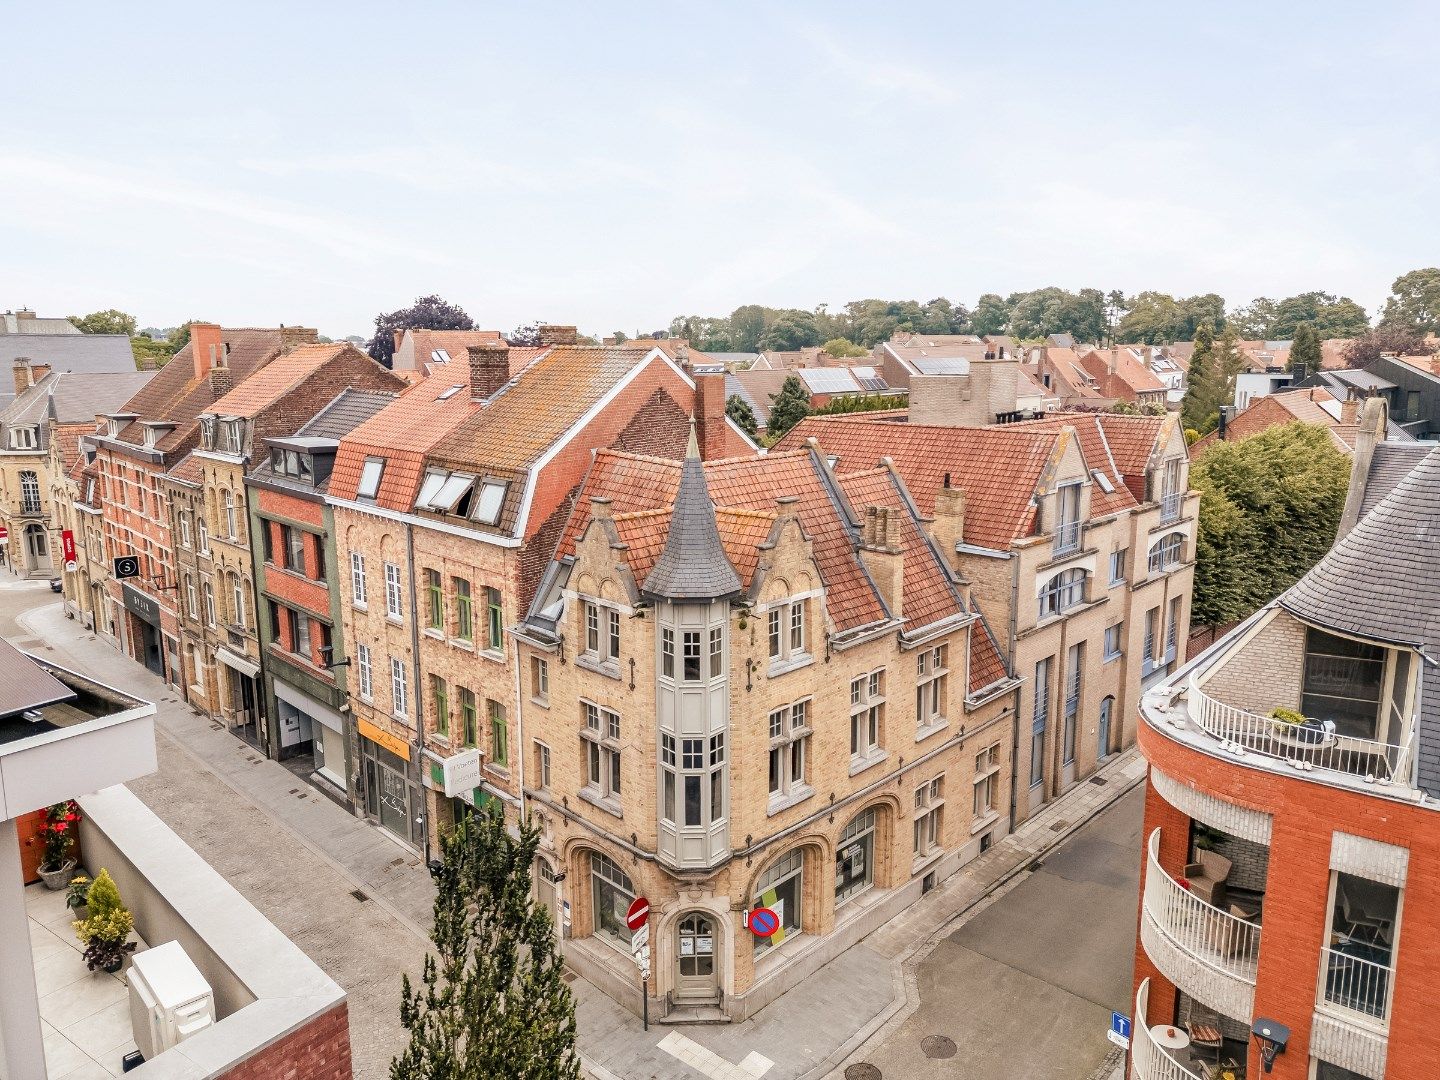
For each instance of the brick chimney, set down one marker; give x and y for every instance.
(557, 335)
(38, 372)
(1349, 411)
(290, 336)
(489, 368)
(947, 527)
(710, 414)
(24, 315)
(22, 374)
(207, 348)
(880, 552)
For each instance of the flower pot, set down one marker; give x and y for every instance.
(58, 877)
(114, 966)
(81, 913)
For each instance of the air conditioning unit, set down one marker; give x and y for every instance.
(169, 999)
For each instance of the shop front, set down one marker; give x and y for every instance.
(241, 696)
(144, 625)
(307, 726)
(392, 799)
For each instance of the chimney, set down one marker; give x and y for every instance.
(291, 336)
(1225, 412)
(207, 348)
(24, 315)
(599, 508)
(22, 374)
(881, 554)
(1372, 431)
(710, 414)
(489, 368)
(221, 382)
(1299, 373)
(557, 335)
(947, 525)
(38, 372)
(1349, 410)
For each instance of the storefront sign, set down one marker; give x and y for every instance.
(396, 745)
(140, 605)
(461, 772)
(67, 548)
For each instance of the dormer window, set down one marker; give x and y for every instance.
(207, 432)
(231, 436)
(24, 438)
(370, 474)
(292, 463)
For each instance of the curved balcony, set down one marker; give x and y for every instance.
(1210, 954)
(1147, 1060)
(1305, 749)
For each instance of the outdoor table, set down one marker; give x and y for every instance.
(1169, 1036)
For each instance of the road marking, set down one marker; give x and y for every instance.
(711, 1064)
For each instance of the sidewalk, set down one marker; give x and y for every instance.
(806, 1034)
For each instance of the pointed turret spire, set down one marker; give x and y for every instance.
(693, 565)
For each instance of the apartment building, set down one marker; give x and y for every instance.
(447, 506)
(299, 586)
(751, 682)
(137, 446)
(49, 408)
(1291, 841)
(218, 616)
(1078, 538)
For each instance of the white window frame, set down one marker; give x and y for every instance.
(357, 579)
(931, 683)
(789, 764)
(788, 633)
(394, 597)
(366, 672)
(987, 783)
(371, 473)
(1063, 591)
(399, 689)
(927, 831)
(867, 715)
(1114, 641)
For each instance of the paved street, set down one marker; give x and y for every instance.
(1001, 980)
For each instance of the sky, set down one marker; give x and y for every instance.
(617, 164)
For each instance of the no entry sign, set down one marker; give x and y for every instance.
(638, 913)
(764, 922)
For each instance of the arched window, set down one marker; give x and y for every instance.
(237, 599)
(1166, 552)
(1107, 710)
(29, 492)
(781, 889)
(613, 893)
(227, 506)
(1064, 590)
(855, 857)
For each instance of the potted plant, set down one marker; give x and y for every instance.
(1296, 725)
(78, 895)
(61, 821)
(105, 931)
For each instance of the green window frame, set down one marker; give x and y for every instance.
(495, 621)
(464, 617)
(440, 695)
(469, 716)
(436, 604)
(499, 734)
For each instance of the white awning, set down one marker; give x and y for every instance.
(321, 714)
(239, 663)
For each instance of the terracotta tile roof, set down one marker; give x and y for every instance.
(987, 667)
(187, 470)
(175, 395)
(1129, 377)
(276, 379)
(927, 593)
(1095, 449)
(1304, 406)
(644, 533)
(998, 468)
(452, 342)
(402, 433)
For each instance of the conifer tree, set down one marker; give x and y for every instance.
(493, 1003)
(1304, 349)
(791, 405)
(1200, 380)
(738, 409)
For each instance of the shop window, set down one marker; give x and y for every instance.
(855, 857)
(613, 892)
(781, 889)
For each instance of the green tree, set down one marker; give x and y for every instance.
(747, 323)
(1269, 507)
(1157, 318)
(842, 347)
(494, 1002)
(738, 409)
(1330, 316)
(991, 315)
(109, 321)
(1414, 302)
(791, 330)
(1199, 381)
(791, 405)
(1254, 320)
(1304, 349)
(620, 337)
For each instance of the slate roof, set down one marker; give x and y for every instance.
(69, 352)
(693, 564)
(1391, 463)
(24, 684)
(76, 398)
(349, 410)
(998, 468)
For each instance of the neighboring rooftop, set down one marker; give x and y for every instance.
(73, 397)
(26, 321)
(68, 352)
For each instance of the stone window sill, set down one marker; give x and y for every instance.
(782, 802)
(539, 702)
(789, 664)
(459, 643)
(609, 668)
(985, 822)
(934, 728)
(433, 634)
(610, 805)
(499, 657)
(868, 760)
(921, 863)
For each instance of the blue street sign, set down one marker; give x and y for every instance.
(1119, 1032)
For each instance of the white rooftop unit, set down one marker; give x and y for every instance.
(169, 999)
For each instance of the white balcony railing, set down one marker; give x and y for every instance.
(1067, 537)
(1357, 983)
(1149, 1061)
(1170, 506)
(1306, 748)
(1206, 934)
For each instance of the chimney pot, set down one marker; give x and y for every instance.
(489, 368)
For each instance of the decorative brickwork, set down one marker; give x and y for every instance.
(318, 1051)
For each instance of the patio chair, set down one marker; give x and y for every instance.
(1207, 875)
(1362, 924)
(1204, 1030)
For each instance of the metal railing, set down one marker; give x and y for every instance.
(1067, 537)
(1357, 983)
(1170, 505)
(1212, 937)
(1149, 1061)
(1306, 747)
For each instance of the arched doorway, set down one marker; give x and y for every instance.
(697, 978)
(37, 548)
(1107, 707)
(544, 878)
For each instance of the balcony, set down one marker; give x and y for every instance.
(1148, 1060)
(1303, 747)
(1210, 954)
(1170, 506)
(1067, 538)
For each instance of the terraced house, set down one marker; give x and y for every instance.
(219, 616)
(752, 682)
(447, 506)
(137, 446)
(1077, 534)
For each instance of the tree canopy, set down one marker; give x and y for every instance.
(1304, 349)
(109, 321)
(1157, 318)
(791, 405)
(1396, 340)
(738, 409)
(1269, 507)
(843, 347)
(426, 313)
(494, 1000)
(1414, 302)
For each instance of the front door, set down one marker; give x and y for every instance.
(1105, 706)
(37, 548)
(695, 976)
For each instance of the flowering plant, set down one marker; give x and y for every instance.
(61, 821)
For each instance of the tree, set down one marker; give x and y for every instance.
(1304, 349)
(524, 337)
(991, 315)
(1414, 303)
(1254, 320)
(494, 1001)
(1199, 381)
(1053, 310)
(620, 337)
(790, 331)
(791, 405)
(1330, 316)
(842, 347)
(747, 323)
(1157, 318)
(109, 321)
(1395, 340)
(426, 313)
(1269, 507)
(738, 410)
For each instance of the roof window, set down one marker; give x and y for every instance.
(492, 498)
(440, 356)
(370, 474)
(449, 392)
(1104, 482)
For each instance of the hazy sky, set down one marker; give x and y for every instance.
(616, 164)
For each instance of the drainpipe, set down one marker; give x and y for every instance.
(519, 733)
(418, 751)
(1015, 727)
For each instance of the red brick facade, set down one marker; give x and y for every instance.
(318, 1051)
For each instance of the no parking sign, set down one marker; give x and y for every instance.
(764, 922)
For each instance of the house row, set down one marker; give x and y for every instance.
(559, 580)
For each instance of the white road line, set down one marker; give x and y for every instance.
(711, 1064)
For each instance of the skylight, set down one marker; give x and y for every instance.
(370, 478)
(433, 482)
(1104, 482)
(492, 498)
(449, 392)
(440, 356)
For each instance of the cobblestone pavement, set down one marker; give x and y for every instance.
(300, 859)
